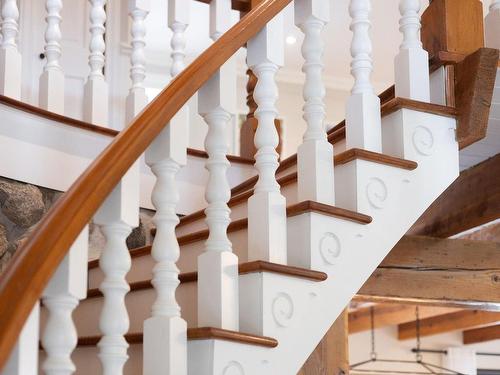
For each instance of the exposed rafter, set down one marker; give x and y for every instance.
(484, 334)
(447, 323)
(446, 272)
(472, 200)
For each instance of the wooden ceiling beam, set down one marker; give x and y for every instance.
(444, 272)
(454, 321)
(390, 314)
(474, 336)
(472, 200)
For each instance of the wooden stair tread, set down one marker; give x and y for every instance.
(357, 153)
(243, 269)
(294, 210)
(203, 333)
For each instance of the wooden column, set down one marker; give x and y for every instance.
(331, 356)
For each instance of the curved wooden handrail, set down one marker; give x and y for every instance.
(35, 262)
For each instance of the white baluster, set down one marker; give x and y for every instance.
(52, 78)
(95, 109)
(267, 207)
(10, 58)
(315, 155)
(23, 359)
(137, 99)
(66, 288)
(178, 21)
(363, 120)
(412, 63)
(492, 25)
(165, 333)
(117, 216)
(218, 265)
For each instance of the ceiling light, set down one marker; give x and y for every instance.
(291, 40)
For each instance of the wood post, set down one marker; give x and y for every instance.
(331, 356)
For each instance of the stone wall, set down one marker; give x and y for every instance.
(23, 205)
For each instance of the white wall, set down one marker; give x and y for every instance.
(389, 347)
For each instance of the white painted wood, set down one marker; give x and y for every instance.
(10, 58)
(137, 99)
(178, 21)
(24, 357)
(315, 154)
(363, 106)
(267, 207)
(165, 332)
(492, 25)
(61, 296)
(218, 265)
(95, 107)
(51, 92)
(411, 65)
(117, 216)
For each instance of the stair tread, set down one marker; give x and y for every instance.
(243, 269)
(202, 333)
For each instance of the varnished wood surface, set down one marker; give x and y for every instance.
(472, 200)
(450, 322)
(375, 157)
(243, 269)
(203, 333)
(36, 261)
(25, 107)
(396, 104)
(311, 206)
(474, 84)
(65, 120)
(483, 334)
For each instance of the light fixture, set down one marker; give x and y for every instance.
(424, 367)
(290, 39)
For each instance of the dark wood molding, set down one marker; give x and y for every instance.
(484, 334)
(204, 333)
(65, 120)
(472, 200)
(311, 206)
(37, 259)
(474, 84)
(375, 157)
(243, 269)
(454, 321)
(396, 104)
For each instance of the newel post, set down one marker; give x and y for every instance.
(315, 155)
(10, 58)
(267, 207)
(363, 119)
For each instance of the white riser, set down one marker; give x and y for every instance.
(142, 266)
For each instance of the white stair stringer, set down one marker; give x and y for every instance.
(299, 312)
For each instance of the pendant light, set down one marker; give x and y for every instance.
(421, 367)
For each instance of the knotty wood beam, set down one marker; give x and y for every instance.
(484, 334)
(447, 323)
(390, 314)
(445, 272)
(472, 200)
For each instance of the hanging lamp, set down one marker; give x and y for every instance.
(421, 367)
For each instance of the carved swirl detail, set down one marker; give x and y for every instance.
(283, 309)
(330, 248)
(377, 192)
(423, 140)
(233, 368)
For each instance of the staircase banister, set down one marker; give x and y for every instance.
(31, 268)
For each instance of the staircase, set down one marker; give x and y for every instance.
(250, 284)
